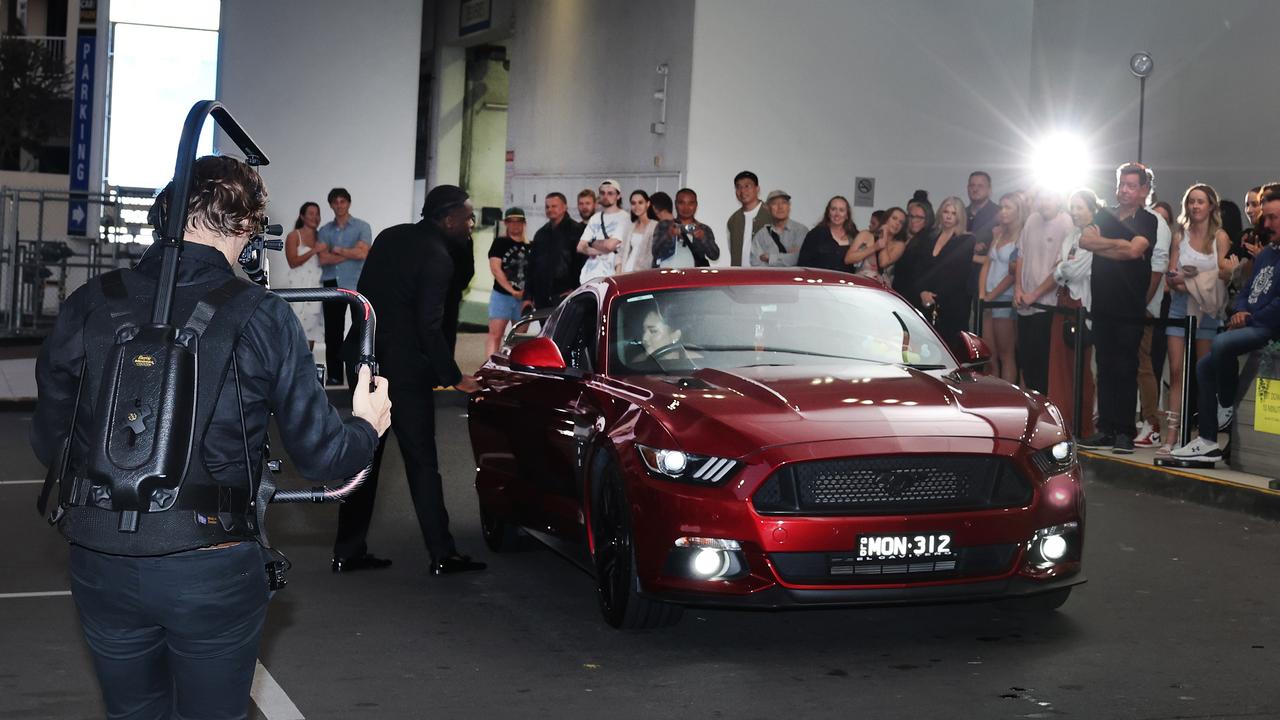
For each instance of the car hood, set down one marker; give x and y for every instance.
(741, 410)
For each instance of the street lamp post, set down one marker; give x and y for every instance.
(1141, 66)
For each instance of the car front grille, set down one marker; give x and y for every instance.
(893, 485)
(844, 569)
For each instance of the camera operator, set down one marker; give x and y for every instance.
(174, 629)
(684, 242)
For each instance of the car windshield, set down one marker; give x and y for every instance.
(675, 332)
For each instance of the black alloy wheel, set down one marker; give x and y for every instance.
(616, 579)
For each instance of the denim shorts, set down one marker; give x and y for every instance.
(1206, 325)
(1002, 313)
(503, 306)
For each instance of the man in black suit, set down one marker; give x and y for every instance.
(411, 278)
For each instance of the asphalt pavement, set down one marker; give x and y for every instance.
(1178, 620)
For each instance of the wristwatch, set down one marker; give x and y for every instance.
(591, 243)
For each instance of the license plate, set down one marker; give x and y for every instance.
(903, 547)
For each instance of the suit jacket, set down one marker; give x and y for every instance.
(409, 277)
(736, 222)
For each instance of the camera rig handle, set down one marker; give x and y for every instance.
(366, 320)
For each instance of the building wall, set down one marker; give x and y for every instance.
(1206, 101)
(583, 77)
(812, 94)
(331, 97)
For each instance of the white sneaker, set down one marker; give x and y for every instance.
(1225, 415)
(1198, 449)
(1147, 437)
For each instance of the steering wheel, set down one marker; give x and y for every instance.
(677, 351)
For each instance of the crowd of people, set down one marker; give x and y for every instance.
(1014, 268)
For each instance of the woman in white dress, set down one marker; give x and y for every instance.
(300, 249)
(637, 250)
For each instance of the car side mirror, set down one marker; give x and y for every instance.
(976, 352)
(538, 353)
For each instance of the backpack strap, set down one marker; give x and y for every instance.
(209, 305)
(217, 322)
(776, 240)
(116, 294)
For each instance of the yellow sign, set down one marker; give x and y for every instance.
(144, 361)
(1266, 416)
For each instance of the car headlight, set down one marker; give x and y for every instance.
(679, 465)
(1057, 458)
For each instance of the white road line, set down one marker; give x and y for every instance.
(50, 593)
(270, 698)
(21, 482)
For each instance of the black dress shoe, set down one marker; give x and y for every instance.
(360, 562)
(455, 564)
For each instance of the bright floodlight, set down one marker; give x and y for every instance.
(1061, 162)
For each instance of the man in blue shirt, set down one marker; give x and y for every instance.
(1255, 322)
(349, 239)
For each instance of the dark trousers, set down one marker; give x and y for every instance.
(1117, 342)
(335, 320)
(413, 419)
(1218, 373)
(1033, 350)
(173, 636)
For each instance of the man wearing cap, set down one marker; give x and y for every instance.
(604, 232)
(408, 277)
(777, 244)
(746, 187)
(508, 261)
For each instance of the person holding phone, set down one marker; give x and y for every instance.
(1197, 278)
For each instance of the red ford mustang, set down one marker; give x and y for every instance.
(771, 438)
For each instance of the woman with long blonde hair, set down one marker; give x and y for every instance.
(995, 284)
(1199, 268)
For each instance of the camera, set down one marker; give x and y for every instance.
(689, 228)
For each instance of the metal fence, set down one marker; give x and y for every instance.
(40, 263)
(1081, 317)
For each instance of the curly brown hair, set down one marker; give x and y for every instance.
(228, 197)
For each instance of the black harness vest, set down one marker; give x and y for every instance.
(195, 510)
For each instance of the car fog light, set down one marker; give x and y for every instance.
(672, 462)
(1053, 547)
(710, 562)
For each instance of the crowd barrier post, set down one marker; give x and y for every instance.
(1188, 367)
(1077, 371)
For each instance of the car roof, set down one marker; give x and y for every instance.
(668, 278)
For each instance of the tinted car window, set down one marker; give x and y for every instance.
(575, 331)
(677, 331)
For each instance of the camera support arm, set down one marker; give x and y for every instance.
(176, 221)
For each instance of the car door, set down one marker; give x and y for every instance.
(569, 414)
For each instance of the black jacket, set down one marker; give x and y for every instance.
(415, 278)
(554, 263)
(276, 371)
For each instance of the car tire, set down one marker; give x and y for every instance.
(499, 536)
(1046, 602)
(617, 583)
